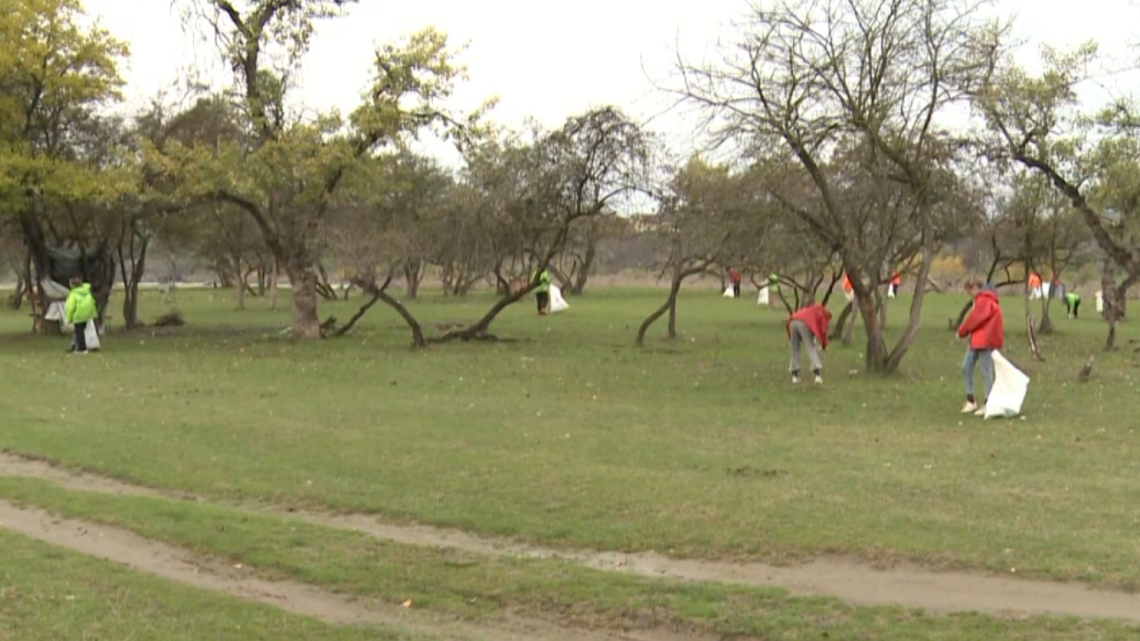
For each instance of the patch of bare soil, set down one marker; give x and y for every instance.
(150, 557)
(851, 581)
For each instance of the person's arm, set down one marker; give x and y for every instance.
(975, 320)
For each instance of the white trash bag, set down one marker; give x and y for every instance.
(1008, 393)
(91, 334)
(557, 303)
(728, 293)
(763, 298)
(1100, 302)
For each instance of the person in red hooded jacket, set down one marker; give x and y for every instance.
(986, 330)
(808, 327)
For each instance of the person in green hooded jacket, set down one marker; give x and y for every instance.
(1072, 303)
(78, 311)
(542, 292)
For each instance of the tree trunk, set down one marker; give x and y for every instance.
(841, 323)
(413, 276)
(322, 285)
(418, 340)
(875, 359)
(669, 306)
(1045, 325)
(306, 323)
(241, 285)
(380, 294)
(131, 277)
(915, 320)
(273, 284)
(23, 282)
(1111, 304)
(672, 329)
(587, 266)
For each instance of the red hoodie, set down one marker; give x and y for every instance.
(817, 318)
(984, 325)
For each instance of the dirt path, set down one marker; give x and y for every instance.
(853, 582)
(158, 559)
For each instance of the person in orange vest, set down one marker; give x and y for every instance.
(1034, 285)
(848, 290)
(896, 280)
(734, 278)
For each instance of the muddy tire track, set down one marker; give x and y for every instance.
(853, 582)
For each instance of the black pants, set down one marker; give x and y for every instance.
(736, 290)
(1073, 307)
(81, 337)
(543, 299)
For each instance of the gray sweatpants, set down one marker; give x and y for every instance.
(801, 335)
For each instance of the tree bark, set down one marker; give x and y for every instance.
(669, 306)
(875, 359)
(273, 284)
(413, 276)
(896, 355)
(841, 322)
(241, 285)
(1111, 305)
(131, 277)
(418, 339)
(306, 323)
(583, 274)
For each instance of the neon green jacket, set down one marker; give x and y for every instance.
(80, 305)
(1072, 297)
(543, 281)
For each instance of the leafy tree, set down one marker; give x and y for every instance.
(703, 214)
(56, 73)
(1037, 122)
(287, 178)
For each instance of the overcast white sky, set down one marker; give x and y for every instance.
(544, 59)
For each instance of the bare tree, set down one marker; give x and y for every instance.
(867, 78)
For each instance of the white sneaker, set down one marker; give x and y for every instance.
(818, 379)
(981, 411)
(795, 380)
(970, 407)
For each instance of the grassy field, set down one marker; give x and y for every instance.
(50, 595)
(570, 436)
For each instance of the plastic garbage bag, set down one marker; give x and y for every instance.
(557, 303)
(763, 298)
(728, 293)
(1008, 393)
(91, 333)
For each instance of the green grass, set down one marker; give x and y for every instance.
(572, 437)
(50, 595)
(477, 588)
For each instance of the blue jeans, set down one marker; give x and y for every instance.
(984, 357)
